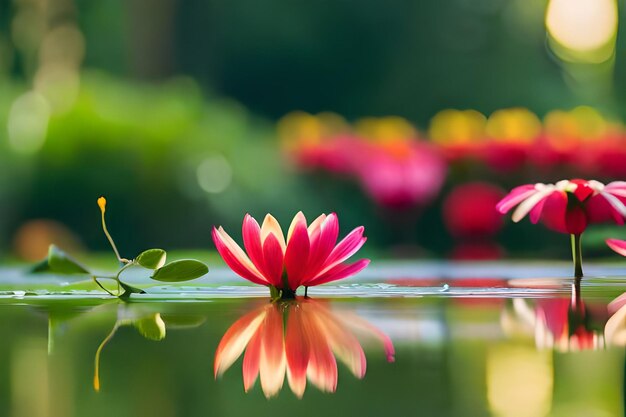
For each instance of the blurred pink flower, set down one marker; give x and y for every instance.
(568, 206)
(400, 174)
(309, 256)
(298, 338)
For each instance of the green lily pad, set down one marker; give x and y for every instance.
(59, 262)
(182, 270)
(152, 258)
(152, 327)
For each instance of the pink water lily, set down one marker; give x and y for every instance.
(568, 206)
(301, 339)
(309, 256)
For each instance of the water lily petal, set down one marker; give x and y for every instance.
(251, 361)
(348, 246)
(272, 364)
(236, 258)
(322, 367)
(356, 323)
(298, 218)
(339, 272)
(344, 344)
(297, 350)
(322, 246)
(314, 228)
(273, 260)
(297, 254)
(251, 232)
(235, 340)
(271, 226)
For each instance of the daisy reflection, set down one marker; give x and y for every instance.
(563, 324)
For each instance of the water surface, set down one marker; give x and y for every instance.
(428, 339)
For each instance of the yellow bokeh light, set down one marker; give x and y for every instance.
(515, 124)
(581, 123)
(385, 129)
(583, 26)
(450, 127)
(304, 129)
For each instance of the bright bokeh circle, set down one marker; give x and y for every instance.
(582, 25)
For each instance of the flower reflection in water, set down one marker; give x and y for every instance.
(300, 338)
(561, 324)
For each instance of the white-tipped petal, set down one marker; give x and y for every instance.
(271, 225)
(299, 217)
(527, 205)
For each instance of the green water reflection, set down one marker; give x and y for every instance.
(453, 357)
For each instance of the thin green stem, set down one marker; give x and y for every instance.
(110, 239)
(116, 278)
(122, 269)
(95, 279)
(96, 374)
(577, 255)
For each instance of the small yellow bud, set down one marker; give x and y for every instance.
(102, 202)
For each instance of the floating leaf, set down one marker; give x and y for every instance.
(182, 270)
(152, 258)
(152, 327)
(41, 266)
(129, 289)
(61, 263)
(178, 321)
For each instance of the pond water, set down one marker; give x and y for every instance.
(427, 339)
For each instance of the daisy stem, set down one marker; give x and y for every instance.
(577, 255)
